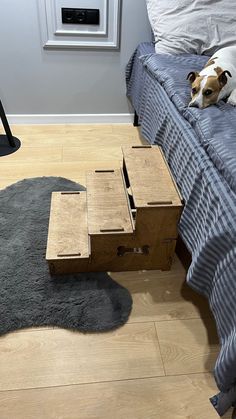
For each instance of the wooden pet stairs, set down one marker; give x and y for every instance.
(125, 220)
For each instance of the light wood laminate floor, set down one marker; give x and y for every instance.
(157, 366)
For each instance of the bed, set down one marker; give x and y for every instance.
(200, 147)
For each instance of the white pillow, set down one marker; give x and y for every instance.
(192, 26)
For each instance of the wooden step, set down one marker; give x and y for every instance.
(110, 222)
(156, 199)
(68, 237)
(149, 177)
(108, 204)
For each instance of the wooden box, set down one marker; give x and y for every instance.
(126, 220)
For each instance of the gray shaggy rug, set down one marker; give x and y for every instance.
(29, 296)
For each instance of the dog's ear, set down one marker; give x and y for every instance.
(192, 76)
(223, 77)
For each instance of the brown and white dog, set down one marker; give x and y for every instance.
(216, 81)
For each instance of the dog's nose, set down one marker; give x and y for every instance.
(193, 105)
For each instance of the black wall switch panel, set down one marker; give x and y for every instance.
(80, 16)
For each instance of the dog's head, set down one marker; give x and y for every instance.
(206, 89)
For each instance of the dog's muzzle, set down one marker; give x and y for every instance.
(193, 105)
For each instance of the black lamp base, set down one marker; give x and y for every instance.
(5, 147)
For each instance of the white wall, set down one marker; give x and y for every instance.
(38, 81)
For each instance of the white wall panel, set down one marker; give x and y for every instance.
(55, 34)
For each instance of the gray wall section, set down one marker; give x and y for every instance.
(38, 81)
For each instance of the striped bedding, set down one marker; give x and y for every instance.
(200, 147)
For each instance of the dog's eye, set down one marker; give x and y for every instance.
(194, 90)
(208, 92)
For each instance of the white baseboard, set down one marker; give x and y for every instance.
(123, 118)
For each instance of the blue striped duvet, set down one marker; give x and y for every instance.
(200, 146)
(215, 126)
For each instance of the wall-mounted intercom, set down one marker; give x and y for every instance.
(80, 16)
